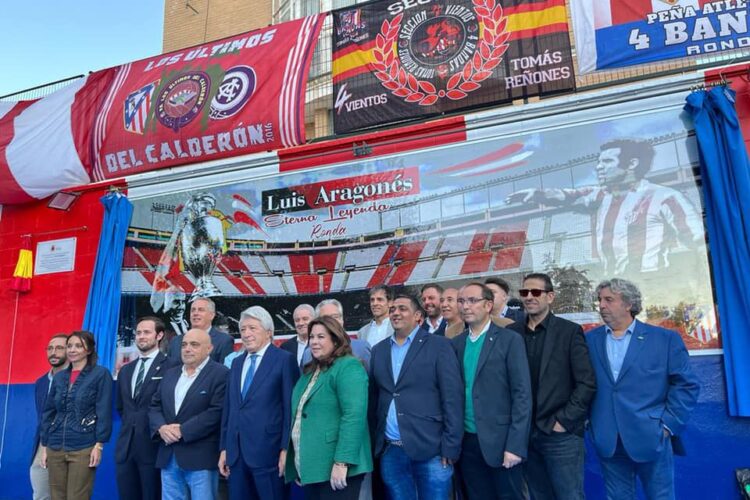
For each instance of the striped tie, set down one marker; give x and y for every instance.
(140, 377)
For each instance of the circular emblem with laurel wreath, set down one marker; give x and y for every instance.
(440, 51)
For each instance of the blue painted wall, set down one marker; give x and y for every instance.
(716, 445)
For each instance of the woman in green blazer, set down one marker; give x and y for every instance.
(330, 443)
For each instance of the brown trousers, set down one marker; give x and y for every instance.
(70, 477)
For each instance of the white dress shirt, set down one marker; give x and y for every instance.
(184, 383)
(301, 347)
(248, 360)
(432, 328)
(378, 332)
(149, 360)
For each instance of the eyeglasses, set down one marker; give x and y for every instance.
(535, 292)
(470, 300)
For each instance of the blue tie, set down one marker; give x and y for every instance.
(249, 375)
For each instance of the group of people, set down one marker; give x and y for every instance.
(449, 393)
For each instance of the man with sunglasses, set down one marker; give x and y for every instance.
(497, 410)
(563, 385)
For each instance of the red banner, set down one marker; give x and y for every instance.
(231, 97)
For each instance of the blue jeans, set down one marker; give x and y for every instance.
(175, 482)
(554, 468)
(407, 479)
(657, 476)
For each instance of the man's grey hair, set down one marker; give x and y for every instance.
(325, 303)
(260, 314)
(305, 307)
(627, 290)
(211, 303)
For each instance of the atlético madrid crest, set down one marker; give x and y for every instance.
(438, 51)
(182, 99)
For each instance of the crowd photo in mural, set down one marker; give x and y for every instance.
(607, 193)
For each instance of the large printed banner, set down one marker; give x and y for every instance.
(235, 96)
(396, 60)
(612, 33)
(584, 196)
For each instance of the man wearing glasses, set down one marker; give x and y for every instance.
(563, 385)
(58, 360)
(497, 409)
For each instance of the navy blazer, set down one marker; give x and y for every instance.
(199, 418)
(429, 397)
(256, 428)
(440, 332)
(517, 315)
(223, 346)
(134, 440)
(656, 388)
(41, 389)
(501, 393)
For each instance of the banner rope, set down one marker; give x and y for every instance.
(7, 384)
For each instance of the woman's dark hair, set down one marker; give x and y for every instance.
(342, 344)
(87, 339)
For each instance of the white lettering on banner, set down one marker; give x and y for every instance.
(248, 42)
(530, 77)
(398, 7)
(728, 17)
(192, 147)
(358, 193)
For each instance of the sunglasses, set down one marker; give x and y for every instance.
(535, 292)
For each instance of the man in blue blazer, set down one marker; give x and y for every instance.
(417, 406)
(185, 414)
(645, 393)
(137, 381)
(498, 402)
(257, 418)
(58, 360)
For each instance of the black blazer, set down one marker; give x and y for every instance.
(517, 315)
(134, 440)
(290, 345)
(440, 332)
(199, 417)
(567, 383)
(429, 397)
(223, 344)
(501, 393)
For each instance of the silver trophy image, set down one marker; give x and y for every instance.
(202, 243)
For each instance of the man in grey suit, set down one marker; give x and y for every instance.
(497, 414)
(380, 327)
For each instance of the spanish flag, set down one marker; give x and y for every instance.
(24, 268)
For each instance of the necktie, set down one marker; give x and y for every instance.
(249, 375)
(140, 377)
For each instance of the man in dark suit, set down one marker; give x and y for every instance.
(498, 401)
(58, 360)
(256, 419)
(137, 381)
(296, 346)
(417, 406)
(434, 322)
(185, 414)
(501, 291)
(563, 385)
(202, 313)
(646, 391)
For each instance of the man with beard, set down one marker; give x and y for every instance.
(562, 387)
(57, 359)
(433, 322)
(202, 313)
(135, 453)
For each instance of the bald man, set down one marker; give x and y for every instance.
(185, 415)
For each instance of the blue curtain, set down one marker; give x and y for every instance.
(103, 305)
(726, 191)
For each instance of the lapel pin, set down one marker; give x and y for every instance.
(640, 337)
